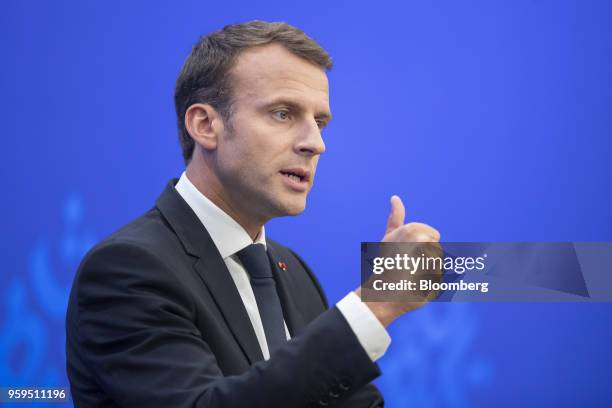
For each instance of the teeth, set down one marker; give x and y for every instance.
(293, 176)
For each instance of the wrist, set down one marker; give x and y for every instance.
(384, 311)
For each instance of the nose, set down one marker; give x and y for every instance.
(311, 143)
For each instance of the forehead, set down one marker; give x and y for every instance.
(271, 70)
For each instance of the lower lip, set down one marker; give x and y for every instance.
(300, 186)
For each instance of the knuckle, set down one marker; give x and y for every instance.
(411, 228)
(418, 232)
(423, 237)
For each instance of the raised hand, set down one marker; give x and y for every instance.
(399, 232)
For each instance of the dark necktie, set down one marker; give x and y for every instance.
(255, 260)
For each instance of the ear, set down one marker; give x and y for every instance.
(204, 124)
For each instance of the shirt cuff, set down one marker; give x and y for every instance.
(369, 330)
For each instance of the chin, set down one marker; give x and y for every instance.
(296, 211)
(293, 207)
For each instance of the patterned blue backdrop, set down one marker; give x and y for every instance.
(490, 118)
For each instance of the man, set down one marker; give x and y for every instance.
(191, 304)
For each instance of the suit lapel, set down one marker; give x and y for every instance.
(211, 268)
(216, 276)
(284, 285)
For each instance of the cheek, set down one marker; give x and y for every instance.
(256, 151)
(246, 162)
(231, 163)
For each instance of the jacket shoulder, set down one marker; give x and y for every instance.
(143, 250)
(150, 233)
(141, 257)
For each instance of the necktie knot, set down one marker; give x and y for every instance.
(255, 260)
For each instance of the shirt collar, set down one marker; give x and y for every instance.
(228, 236)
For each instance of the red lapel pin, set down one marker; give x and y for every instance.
(282, 265)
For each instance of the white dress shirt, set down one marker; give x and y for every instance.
(230, 238)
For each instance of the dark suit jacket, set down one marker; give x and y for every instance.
(155, 320)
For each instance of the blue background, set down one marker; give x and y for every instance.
(491, 119)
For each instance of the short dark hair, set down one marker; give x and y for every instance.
(204, 79)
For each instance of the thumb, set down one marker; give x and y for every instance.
(397, 214)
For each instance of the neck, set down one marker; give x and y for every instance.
(207, 183)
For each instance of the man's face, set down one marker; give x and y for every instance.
(267, 156)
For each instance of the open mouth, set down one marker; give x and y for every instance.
(297, 175)
(293, 176)
(297, 178)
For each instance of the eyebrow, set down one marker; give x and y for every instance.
(322, 115)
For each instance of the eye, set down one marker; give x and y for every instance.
(321, 124)
(282, 114)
